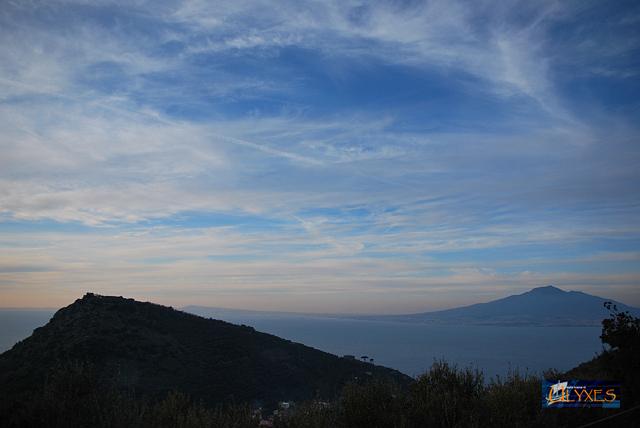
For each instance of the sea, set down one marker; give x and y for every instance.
(409, 347)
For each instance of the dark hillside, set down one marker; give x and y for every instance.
(152, 349)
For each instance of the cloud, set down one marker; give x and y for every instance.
(288, 262)
(399, 146)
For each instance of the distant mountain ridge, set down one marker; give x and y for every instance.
(547, 305)
(541, 306)
(152, 349)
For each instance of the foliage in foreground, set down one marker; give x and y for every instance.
(72, 397)
(444, 396)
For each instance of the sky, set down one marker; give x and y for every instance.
(318, 156)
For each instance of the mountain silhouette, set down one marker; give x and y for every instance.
(540, 306)
(152, 349)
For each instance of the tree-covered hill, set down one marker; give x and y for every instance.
(152, 349)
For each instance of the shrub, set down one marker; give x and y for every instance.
(446, 396)
(371, 404)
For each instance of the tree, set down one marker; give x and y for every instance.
(621, 331)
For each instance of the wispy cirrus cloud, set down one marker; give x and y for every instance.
(336, 148)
